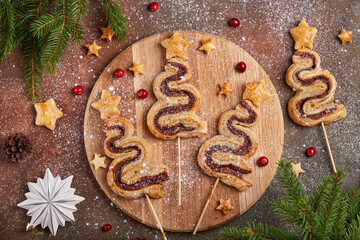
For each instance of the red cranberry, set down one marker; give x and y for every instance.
(241, 67)
(311, 151)
(234, 22)
(154, 6)
(107, 227)
(78, 90)
(263, 161)
(142, 93)
(119, 73)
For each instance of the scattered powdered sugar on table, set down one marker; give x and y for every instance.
(263, 33)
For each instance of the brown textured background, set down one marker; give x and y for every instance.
(263, 34)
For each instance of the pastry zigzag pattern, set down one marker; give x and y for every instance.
(313, 101)
(131, 174)
(225, 156)
(174, 114)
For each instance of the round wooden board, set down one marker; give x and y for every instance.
(207, 72)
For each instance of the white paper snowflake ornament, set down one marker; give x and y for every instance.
(51, 202)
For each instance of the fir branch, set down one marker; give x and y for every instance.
(340, 221)
(317, 197)
(353, 198)
(7, 31)
(115, 18)
(33, 67)
(353, 229)
(32, 56)
(232, 233)
(256, 231)
(328, 212)
(287, 211)
(13, 25)
(44, 25)
(291, 186)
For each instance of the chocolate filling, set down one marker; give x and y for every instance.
(242, 150)
(228, 168)
(143, 181)
(174, 129)
(309, 81)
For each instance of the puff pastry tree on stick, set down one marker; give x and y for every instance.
(132, 173)
(174, 114)
(313, 102)
(225, 156)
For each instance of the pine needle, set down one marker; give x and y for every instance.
(115, 18)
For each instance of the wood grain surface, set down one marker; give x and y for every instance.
(207, 72)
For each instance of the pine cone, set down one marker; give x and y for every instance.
(18, 148)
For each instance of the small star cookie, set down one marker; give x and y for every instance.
(225, 89)
(225, 206)
(47, 114)
(98, 162)
(296, 168)
(303, 35)
(345, 36)
(93, 49)
(108, 105)
(175, 46)
(256, 92)
(137, 68)
(207, 46)
(107, 33)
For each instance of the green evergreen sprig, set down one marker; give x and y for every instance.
(115, 18)
(46, 32)
(328, 213)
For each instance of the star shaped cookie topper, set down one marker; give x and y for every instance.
(175, 46)
(296, 168)
(47, 114)
(256, 92)
(225, 89)
(98, 162)
(345, 36)
(137, 69)
(207, 46)
(93, 49)
(303, 35)
(107, 33)
(225, 206)
(108, 105)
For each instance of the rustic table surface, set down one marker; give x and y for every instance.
(264, 33)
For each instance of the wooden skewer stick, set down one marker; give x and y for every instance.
(179, 167)
(156, 217)
(328, 147)
(207, 203)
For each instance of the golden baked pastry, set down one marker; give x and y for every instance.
(98, 162)
(314, 88)
(107, 33)
(256, 92)
(132, 173)
(93, 49)
(225, 206)
(207, 45)
(303, 35)
(174, 114)
(137, 69)
(296, 168)
(345, 36)
(175, 46)
(108, 105)
(225, 156)
(225, 89)
(47, 113)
